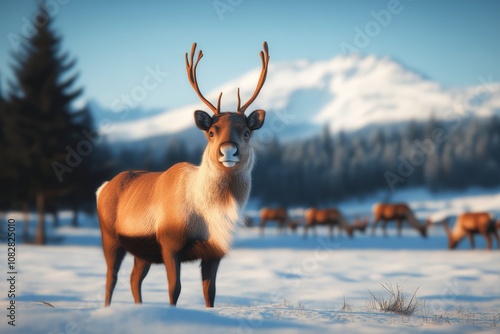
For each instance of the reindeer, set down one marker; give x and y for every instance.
(398, 212)
(188, 212)
(360, 224)
(279, 215)
(330, 217)
(471, 223)
(293, 225)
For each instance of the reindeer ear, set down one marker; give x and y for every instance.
(256, 119)
(203, 120)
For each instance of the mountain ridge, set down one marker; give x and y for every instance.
(345, 93)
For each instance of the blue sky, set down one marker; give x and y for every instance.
(117, 43)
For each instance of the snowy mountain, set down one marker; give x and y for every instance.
(347, 93)
(102, 114)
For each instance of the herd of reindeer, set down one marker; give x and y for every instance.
(467, 224)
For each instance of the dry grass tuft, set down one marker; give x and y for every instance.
(397, 301)
(346, 306)
(496, 320)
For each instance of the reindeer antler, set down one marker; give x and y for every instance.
(191, 71)
(264, 56)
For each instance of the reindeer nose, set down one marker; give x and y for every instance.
(228, 154)
(229, 150)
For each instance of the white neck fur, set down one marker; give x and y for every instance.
(212, 192)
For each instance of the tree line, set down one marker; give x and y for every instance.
(439, 155)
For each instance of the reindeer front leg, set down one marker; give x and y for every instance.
(208, 275)
(262, 226)
(330, 229)
(306, 227)
(173, 265)
(399, 225)
(471, 240)
(384, 227)
(282, 226)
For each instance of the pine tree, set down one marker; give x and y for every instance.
(42, 97)
(12, 161)
(6, 162)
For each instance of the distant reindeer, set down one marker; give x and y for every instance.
(398, 212)
(328, 217)
(471, 223)
(293, 225)
(187, 212)
(279, 215)
(360, 224)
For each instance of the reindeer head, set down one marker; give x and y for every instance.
(423, 229)
(228, 133)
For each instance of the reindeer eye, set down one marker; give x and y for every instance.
(211, 133)
(246, 134)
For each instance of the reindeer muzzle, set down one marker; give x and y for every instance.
(229, 154)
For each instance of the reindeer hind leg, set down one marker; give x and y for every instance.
(488, 240)
(139, 272)
(114, 255)
(495, 234)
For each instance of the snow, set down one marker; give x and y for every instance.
(348, 93)
(274, 283)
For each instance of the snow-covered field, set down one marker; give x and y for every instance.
(274, 283)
